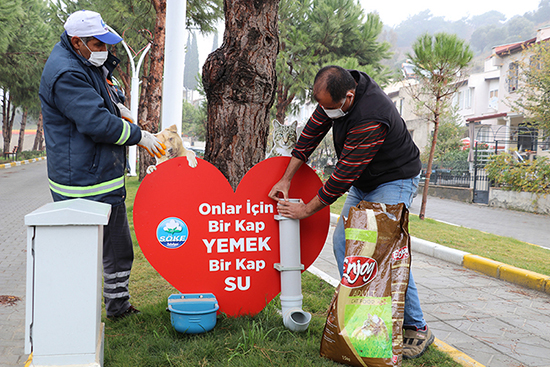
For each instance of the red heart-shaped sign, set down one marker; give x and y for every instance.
(204, 238)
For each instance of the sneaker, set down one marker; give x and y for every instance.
(130, 311)
(416, 341)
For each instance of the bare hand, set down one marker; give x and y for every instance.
(292, 210)
(280, 187)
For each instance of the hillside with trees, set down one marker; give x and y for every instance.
(482, 32)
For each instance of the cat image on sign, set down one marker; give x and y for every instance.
(284, 139)
(174, 148)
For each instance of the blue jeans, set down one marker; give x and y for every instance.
(394, 192)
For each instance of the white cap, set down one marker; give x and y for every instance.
(87, 23)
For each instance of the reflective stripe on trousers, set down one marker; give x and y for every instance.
(118, 255)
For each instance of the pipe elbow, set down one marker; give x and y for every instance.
(296, 319)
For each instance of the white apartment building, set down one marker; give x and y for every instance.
(485, 103)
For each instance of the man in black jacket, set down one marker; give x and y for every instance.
(377, 162)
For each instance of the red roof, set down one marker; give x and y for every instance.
(508, 49)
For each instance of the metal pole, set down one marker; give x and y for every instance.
(134, 103)
(475, 172)
(174, 51)
(134, 97)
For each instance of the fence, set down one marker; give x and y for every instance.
(458, 178)
(479, 182)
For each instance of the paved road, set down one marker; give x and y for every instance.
(526, 227)
(22, 190)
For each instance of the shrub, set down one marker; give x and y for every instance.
(29, 154)
(526, 176)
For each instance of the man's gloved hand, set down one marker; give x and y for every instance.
(152, 145)
(125, 113)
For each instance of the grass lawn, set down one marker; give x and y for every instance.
(505, 249)
(149, 339)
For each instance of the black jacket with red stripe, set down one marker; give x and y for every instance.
(372, 142)
(398, 157)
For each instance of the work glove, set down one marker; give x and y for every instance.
(152, 145)
(125, 113)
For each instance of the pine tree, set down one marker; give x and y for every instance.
(191, 63)
(21, 65)
(239, 80)
(10, 11)
(439, 62)
(315, 33)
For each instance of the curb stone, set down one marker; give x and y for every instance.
(455, 354)
(19, 163)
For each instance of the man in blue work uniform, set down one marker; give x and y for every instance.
(87, 129)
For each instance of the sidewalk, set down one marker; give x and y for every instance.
(492, 321)
(23, 188)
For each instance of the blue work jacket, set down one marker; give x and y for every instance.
(85, 135)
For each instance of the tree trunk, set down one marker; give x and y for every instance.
(21, 140)
(239, 79)
(39, 137)
(422, 213)
(150, 108)
(126, 81)
(283, 101)
(7, 121)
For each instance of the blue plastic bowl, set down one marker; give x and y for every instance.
(193, 313)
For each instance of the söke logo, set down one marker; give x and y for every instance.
(172, 233)
(358, 271)
(401, 254)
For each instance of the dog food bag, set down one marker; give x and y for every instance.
(365, 318)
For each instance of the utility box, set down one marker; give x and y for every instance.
(64, 270)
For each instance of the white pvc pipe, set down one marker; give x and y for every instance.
(290, 267)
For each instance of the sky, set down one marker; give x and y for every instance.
(394, 12)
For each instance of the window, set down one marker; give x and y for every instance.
(468, 97)
(493, 99)
(512, 80)
(535, 62)
(463, 99)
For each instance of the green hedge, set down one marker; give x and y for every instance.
(529, 176)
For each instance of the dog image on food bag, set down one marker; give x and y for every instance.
(174, 148)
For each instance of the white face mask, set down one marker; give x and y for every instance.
(97, 58)
(335, 113)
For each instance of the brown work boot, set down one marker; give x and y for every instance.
(416, 341)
